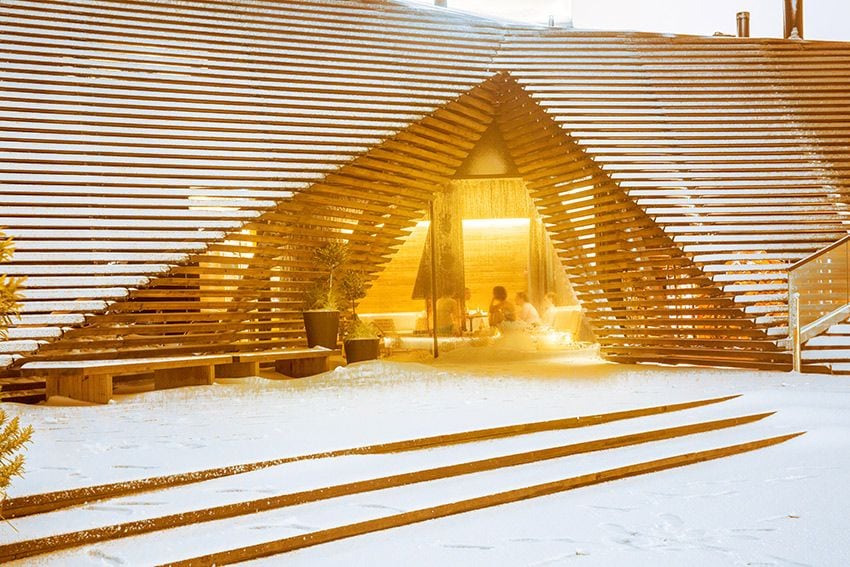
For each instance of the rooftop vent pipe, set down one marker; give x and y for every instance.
(441, 3)
(743, 24)
(793, 19)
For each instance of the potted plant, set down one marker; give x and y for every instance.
(361, 341)
(321, 315)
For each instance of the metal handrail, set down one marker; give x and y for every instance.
(835, 269)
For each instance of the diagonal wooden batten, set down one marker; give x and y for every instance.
(351, 530)
(85, 537)
(40, 503)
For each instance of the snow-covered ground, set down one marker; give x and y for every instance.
(784, 505)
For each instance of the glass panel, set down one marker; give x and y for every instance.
(823, 283)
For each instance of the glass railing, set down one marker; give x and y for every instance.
(822, 280)
(818, 293)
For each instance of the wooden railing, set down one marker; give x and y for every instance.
(818, 294)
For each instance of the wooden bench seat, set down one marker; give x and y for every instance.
(91, 380)
(294, 362)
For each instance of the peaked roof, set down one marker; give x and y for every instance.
(136, 133)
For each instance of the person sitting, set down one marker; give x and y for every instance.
(526, 312)
(501, 309)
(549, 309)
(448, 316)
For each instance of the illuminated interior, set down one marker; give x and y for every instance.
(501, 241)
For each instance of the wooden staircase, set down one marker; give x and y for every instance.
(830, 350)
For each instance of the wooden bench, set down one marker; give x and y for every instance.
(91, 380)
(294, 362)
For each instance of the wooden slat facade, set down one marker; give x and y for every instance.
(735, 147)
(166, 169)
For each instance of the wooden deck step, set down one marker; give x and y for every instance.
(827, 354)
(33, 396)
(288, 544)
(47, 502)
(841, 368)
(34, 547)
(829, 341)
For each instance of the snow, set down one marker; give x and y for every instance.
(784, 505)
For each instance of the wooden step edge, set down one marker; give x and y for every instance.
(302, 541)
(817, 368)
(23, 397)
(29, 548)
(39, 503)
(21, 384)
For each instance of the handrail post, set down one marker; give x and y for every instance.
(794, 330)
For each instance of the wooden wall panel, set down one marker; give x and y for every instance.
(645, 299)
(736, 147)
(142, 142)
(246, 291)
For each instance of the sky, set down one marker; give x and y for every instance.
(823, 19)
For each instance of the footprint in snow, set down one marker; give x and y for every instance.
(541, 540)
(110, 559)
(382, 507)
(614, 508)
(559, 559)
(789, 562)
(298, 527)
(625, 537)
(466, 546)
(791, 478)
(301, 527)
(718, 494)
(110, 509)
(672, 520)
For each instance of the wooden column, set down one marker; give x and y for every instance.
(448, 230)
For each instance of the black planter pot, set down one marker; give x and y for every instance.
(358, 350)
(322, 328)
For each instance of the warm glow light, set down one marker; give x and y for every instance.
(484, 223)
(494, 223)
(554, 339)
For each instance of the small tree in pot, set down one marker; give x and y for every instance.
(361, 340)
(321, 315)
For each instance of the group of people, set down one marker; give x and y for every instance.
(503, 314)
(506, 315)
